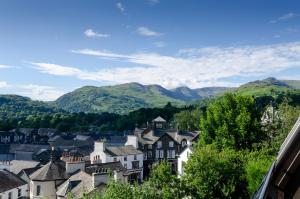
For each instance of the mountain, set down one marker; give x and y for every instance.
(18, 106)
(269, 86)
(124, 98)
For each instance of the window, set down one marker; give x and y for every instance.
(171, 144)
(161, 154)
(157, 154)
(135, 164)
(145, 156)
(134, 157)
(19, 192)
(125, 166)
(159, 144)
(183, 143)
(171, 154)
(125, 158)
(115, 159)
(149, 146)
(38, 190)
(149, 154)
(10, 195)
(159, 125)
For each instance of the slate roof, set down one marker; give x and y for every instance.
(122, 150)
(26, 147)
(9, 181)
(150, 136)
(77, 184)
(159, 119)
(17, 165)
(53, 170)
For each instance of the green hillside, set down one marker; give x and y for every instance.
(269, 86)
(18, 106)
(124, 98)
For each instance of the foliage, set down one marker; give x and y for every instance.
(257, 165)
(211, 173)
(188, 120)
(118, 190)
(232, 121)
(90, 121)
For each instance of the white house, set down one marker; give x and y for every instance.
(182, 159)
(128, 155)
(12, 186)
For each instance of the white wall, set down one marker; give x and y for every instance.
(183, 158)
(14, 192)
(48, 189)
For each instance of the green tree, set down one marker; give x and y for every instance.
(232, 121)
(211, 173)
(256, 167)
(188, 120)
(117, 190)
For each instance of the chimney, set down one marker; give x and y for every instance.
(132, 140)
(74, 164)
(99, 146)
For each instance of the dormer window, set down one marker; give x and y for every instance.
(171, 144)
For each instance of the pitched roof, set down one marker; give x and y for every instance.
(17, 165)
(53, 170)
(122, 150)
(159, 119)
(150, 136)
(9, 181)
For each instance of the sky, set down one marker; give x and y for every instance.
(48, 48)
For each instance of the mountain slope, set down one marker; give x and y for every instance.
(124, 98)
(17, 106)
(270, 86)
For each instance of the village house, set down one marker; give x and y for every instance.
(130, 157)
(71, 174)
(159, 142)
(12, 186)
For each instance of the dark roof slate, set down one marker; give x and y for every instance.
(53, 170)
(9, 181)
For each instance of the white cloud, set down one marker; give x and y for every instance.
(39, 92)
(192, 67)
(120, 7)
(35, 92)
(4, 85)
(4, 66)
(153, 2)
(159, 44)
(284, 17)
(147, 32)
(91, 33)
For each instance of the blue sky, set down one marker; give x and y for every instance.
(48, 48)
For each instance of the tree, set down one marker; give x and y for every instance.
(232, 121)
(188, 120)
(117, 190)
(256, 167)
(211, 173)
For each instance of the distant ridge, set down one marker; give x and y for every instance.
(124, 98)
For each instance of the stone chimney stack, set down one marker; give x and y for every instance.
(132, 140)
(74, 163)
(99, 146)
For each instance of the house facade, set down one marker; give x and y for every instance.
(159, 142)
(129, 156)
(12, 186)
